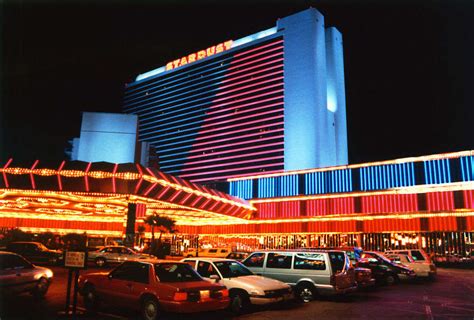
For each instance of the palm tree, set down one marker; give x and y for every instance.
(164, 224)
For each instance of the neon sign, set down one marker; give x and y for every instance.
(199, 55)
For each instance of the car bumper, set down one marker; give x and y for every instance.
(403, 276)
(191, 307)
(366, 283)
(260, 300)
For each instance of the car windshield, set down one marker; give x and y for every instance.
(232, 269)
(42, 247)
(176, 272)
(381, 257)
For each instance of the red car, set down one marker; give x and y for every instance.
(153, 286)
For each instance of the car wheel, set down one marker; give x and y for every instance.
(100, 262)
(305, 292)
(390, 279)
(91, 301)
(238, 302)
(150, 309)
(41, 288)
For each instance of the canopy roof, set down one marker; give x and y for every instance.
(101, 191)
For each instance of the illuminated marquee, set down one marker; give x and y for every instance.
(199, 55)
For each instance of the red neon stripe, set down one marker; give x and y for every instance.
(258, 48)
(187, 169)
(86, 180)
(175, 195)
(8, 163)
(150, 188)
(246, 93)
(241, 106)
(241, 112)
(32, 179)
(235, 156)
(240, 169)
(275, 55)
(114, 188)
(279, 117)
(160, 195)
(255, 114)
(237, 143)
(59, 175)
(263, 71)
(265, 54)
(242, 130)
(263, 76)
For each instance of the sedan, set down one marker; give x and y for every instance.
(17, 275)
(153, 286)
(114, 254)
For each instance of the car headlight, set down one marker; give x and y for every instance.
(256, 293)
(49, 273)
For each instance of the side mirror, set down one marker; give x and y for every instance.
(215, 277)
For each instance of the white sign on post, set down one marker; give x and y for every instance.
(75, 259)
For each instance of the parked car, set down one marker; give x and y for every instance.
(236, 255)
(309, 272)
(114, 254)
(18, 275)
(363, 276)
(384, 270)
(36, 252)
(421, 268)
(215, 252)
(419, 255)
(153, 286)
(245, 288)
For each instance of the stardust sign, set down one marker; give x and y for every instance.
(199, 55)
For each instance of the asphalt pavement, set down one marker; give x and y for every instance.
(450, 296)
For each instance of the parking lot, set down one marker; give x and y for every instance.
(450, 296)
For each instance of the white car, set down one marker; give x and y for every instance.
(244, 287)
(421, 268)
(114, 254)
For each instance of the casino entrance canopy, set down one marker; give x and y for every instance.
(95, 197)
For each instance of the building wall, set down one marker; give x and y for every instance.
(107, 137)
(260, 106)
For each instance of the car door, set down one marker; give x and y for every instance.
(278, 266)
(125, 284)
(16, 274)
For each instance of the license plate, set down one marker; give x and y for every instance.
(205, 294)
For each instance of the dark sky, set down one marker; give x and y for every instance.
(408, 64)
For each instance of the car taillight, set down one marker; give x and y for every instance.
(225, 293)
(180, 296)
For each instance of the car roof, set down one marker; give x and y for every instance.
(8, 252)
(208, 259)
(25, 242)
(156, 260)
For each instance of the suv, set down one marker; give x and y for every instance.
(114, 254)
(419, 255)
(245, 288)
(310, 272)
(18, 275)
(36, 252)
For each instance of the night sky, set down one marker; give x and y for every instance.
(408, 65)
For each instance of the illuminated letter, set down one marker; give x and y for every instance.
(176, 63)
(210, 51)
(192, 57)
(201, 54)
(169, 66)
(183, 61)
(228, 44)
(219, 48)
